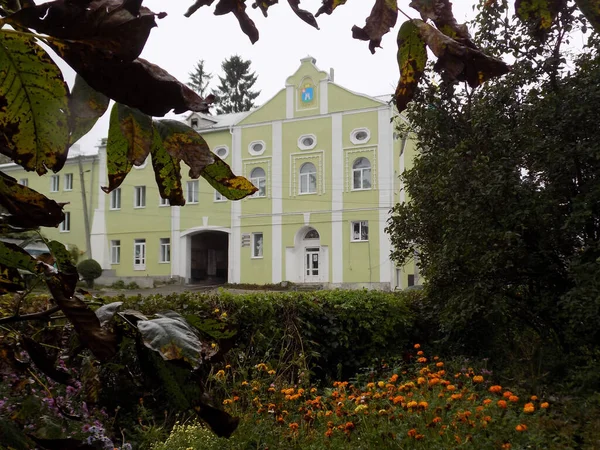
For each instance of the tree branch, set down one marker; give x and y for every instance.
(43, 315)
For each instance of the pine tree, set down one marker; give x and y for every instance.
(234, 94)
(199, 79)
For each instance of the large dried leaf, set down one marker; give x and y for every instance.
(382, 18)
(86, 106)
(440, 11)
(10, 279)
(591, 11)
(106, 312)
(197, 5)
(238, 8)
(538, 14)
(44, 362)
(173, 338)
(412, 57)
(167, 171)
(26, 208)
(138, 84)
(457, 61)
(264, 5)
(34, 108)
(303, 14)
(110, 28)
(67, 272)
(328, 6)
(129, 142)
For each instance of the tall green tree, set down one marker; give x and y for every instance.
(235, 93)
(199, 79)
(504, 207)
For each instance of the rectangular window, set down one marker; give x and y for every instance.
(164, 202)
(219, 197)
(360, 231)
(140, 197)
(165, 250)
(68, 182)
(257, 245)
(54, 183)
(139, 254)
(65, 225)
(24, 182)
(115, 199)
(115, 252)
(192, 191)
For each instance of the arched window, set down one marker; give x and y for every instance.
(259, 179)
(308, 179)
(312, 234)
(361, 174)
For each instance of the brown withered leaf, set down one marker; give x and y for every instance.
(382, 18)
(67, 272)
(328, 6)
(238, 8)
(412, 57)
(440, 12)
(10, 279)
(457, 61)
(167, 171)
(220, 422)
(26, 208)
(86, 106)
(113, 28)
(264, 5)
(197, 5)
(303, 14)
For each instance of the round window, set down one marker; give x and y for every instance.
(257, 148)
(222, 152)
(361, 136)
(308, 141)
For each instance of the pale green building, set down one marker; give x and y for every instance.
(326, 161)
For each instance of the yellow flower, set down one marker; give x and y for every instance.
(411, 404)
(227, 401)
(271, 372)
(217, 311)
(244, 383)
(423, 405)
(228, 366)
(421, 380)
(213, 345)
(478, 379)
(381, 384)
(224, 315)
(360, 408)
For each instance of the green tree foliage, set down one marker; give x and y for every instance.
(199, 79)
(89, 269)
(235, 93)
(503, 209)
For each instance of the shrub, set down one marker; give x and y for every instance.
(119, 284)
(89, 270)
(132, 285)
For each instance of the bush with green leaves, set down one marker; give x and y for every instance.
(89, 270)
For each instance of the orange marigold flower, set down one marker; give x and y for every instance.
(280, 419)
(434, 381)
(507, 394)
(439, 364)
(506, 446)
(271, 372)
(495, 389)
(544, 405)
(329, 433)
(513, 399)
(437, 420)
(411, 404)
(419, 437)
(521, 427)
(502, 404)
(417, 346)
(420, 353)
(394, 378)
(487, 419)
(398, 399)
(227, 401)
(456, 396)
(294, 426)
(423, 405)
(487, 401)
(478, 379)
(534, 398)
(528, 408)
(328, 413)
(236, 398)
(421, 380)
(271, 389)
(349, 426)
(451, 387)
(370, 385)
(313, 390)
(422, 359)
(412, 432)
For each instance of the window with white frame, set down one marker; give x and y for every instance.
(65, 225)
(139, 200)
(115, 199)
(257, 148)
(308, 178)
(259, 179)
(164, 201)
(24, 182)
(222, 151)
(219, 197)
(360, 136)
(191, 191)
(115, 252)
(360, 231)
(307, 142)
(165, 250)
(68, 186)
(139, 254)
(361, 174)
(257, 245)
(54, 183)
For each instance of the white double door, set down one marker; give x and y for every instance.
(312, 263)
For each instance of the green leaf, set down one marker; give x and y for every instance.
(538, 14)
(382, 18)
(167, 171)
(173, 338)
(34, 109)
(87, 106)
(67, 270)
(10, 279)
(130, 138)
(412, 57)
(220, 176)
(12, 255)
(591, 11)
(26, 208)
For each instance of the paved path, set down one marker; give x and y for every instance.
(164, 290)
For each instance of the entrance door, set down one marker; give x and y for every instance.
(311, 264)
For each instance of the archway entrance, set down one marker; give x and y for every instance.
(209, 257)
(308, 260)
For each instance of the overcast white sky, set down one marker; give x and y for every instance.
(178, 42)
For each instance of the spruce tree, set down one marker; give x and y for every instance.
(234, 93)
(199, 79)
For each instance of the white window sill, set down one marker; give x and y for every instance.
(115, 263)
(359, 240)
(307, 193)
(67, 190)
(65, 231)
(139, 207)
(219, 201)
(164, 262)
(114, 209)
(361, 189)
(187, 202)
(139, 268)
(257, 257)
